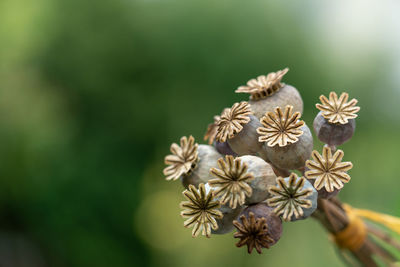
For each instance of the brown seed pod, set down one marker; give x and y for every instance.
(267, 92)
(333, 134)
(224, 148)
(225, 224)
(258, 227)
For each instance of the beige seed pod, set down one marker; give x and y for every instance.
(288, 140)
(242, 180)
(267, 93)
(238, 127)
(293, 156)
(264, 177)
(190, 162)
(200, 173)
(225, 223)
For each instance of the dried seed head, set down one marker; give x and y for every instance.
(182, 160)
(246, 142)
(328, 170)
(338, 110)
(253, 233)
(200, 172)
(224, 148)
(287, 95)
(259, 228)
(264, 177)
(212, 130)
(292, 197)
(225, 225)
(280, 127)
(232, 182)
(201, 209)
(292, 156)
(232, 121)
(263, 86)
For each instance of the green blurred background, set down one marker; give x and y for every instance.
(92, 94)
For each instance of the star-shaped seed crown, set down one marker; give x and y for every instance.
(338, 110)
(201, 209)
(263, 86)
(329, 171)
(253, 232)
(232, 182)
(232, 121)
(280, 127)
(182, 160)
(290, 197)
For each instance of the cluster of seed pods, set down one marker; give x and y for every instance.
(259, 166)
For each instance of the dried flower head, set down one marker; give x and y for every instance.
(338, 110)
(328, 170)
(232, 182)
(182, 160)
(212, 129)
(263, 86)
(253, 233)
(280, 128)
(201, 209)
(290, 197)
(232, 121)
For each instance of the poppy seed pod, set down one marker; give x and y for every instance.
(335, 123)
(224, 148)
(288, 140)
(322, 193)
(294, 198)
(267, 93)
(258, 227)
(242, 180)
(331, 133)
(190, 162)
(225, 223)
(200, 173)
(238, 127)
(264, 177)
(211, 133)
(246, 141)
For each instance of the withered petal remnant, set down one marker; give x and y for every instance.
(280, 127)
(232, 182)
(328, 170)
